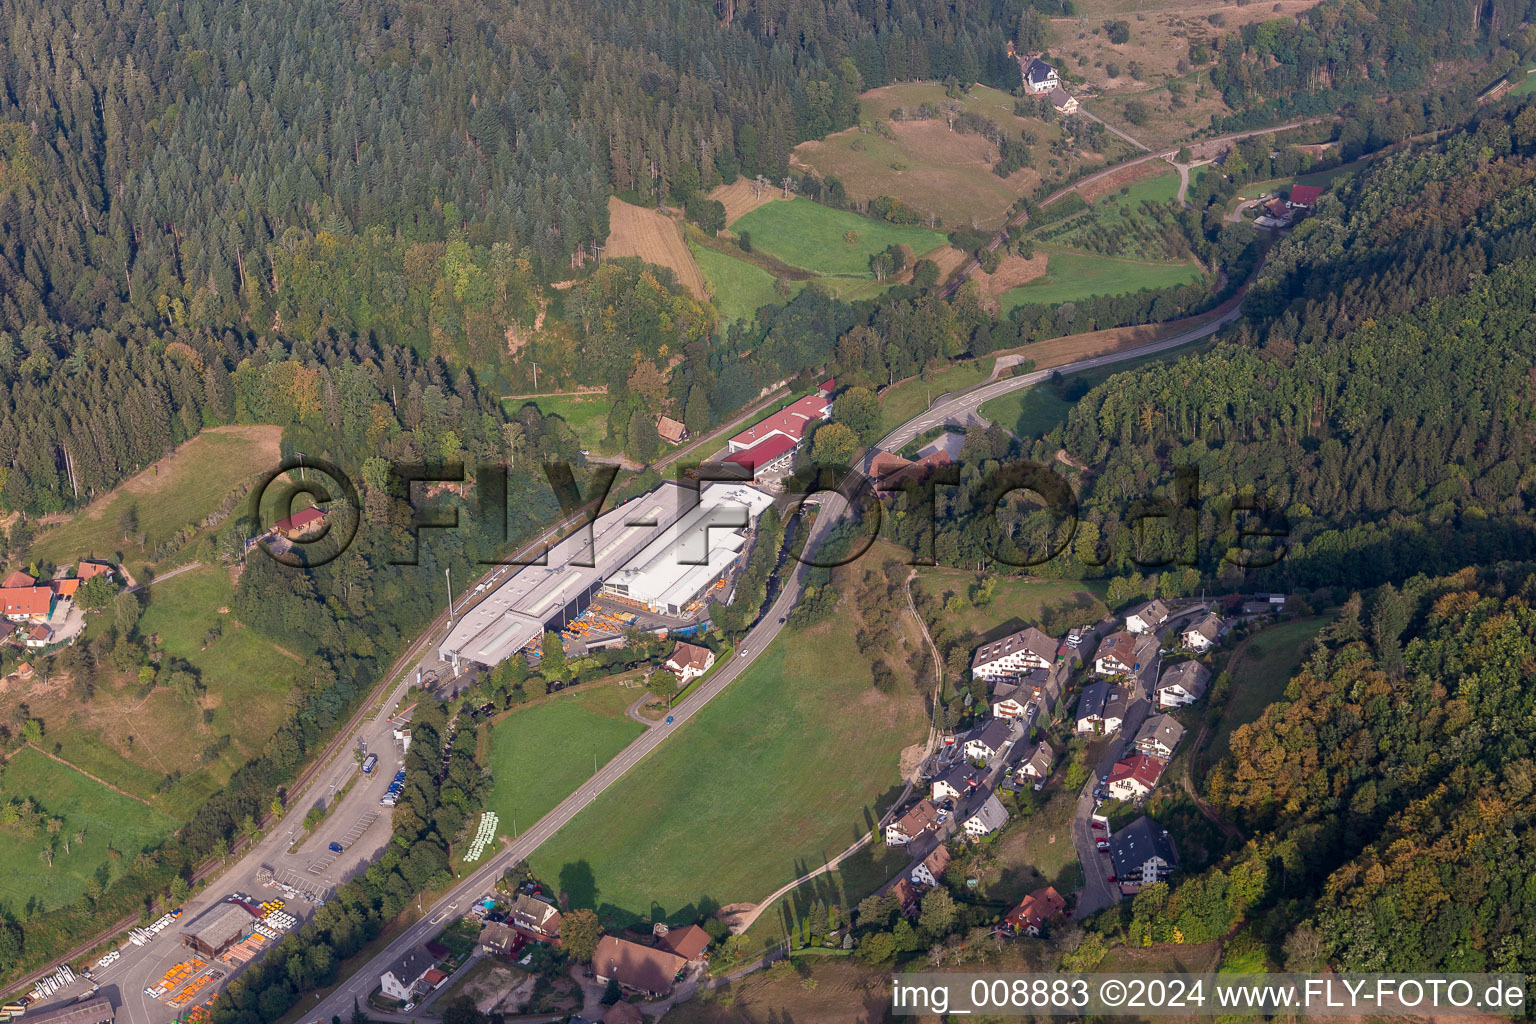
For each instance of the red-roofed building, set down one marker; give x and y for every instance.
(434, 977)
(18, 579)
(790, 422)
(773, 452)
(299, 522)
(87, 570)
(826, 387)
(65, 587)
(17, 603)
(1134, 777)
(1037, 908)
(892, 472)
(1304, 197)
(688, 942)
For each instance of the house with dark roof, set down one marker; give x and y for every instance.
(688, 942)
(1204, 634)
(1035, 911)
(920, 818)
(955, 782)
(1039, 77)
(1183, 683)
(987, 818)
(1147, 618)
(400, 979)
(1124, 654)
(534, 918)
(1101, 708)
(990, 740)
(1134, 777)
(932, 867)
(499, 938)
(1063, 101)
(1142, 853)
(1011, 656)
(635, 968)
(1039, 763)
(1159, 736)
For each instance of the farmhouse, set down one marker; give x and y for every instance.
(1124, 654)
(400, 979)
(1159, 736)
(89, 570)
(1135, 777)
(932, 867)
(642, 969)
(29, 602)
(688, 942)
(1039, 77)
(671, 431)
(1035, 911)
(1101, 708)
(1039, 763)
(922, 817)
(1013, 655)
(1142, 853)
(535, 919)
(689, 661)
(1182, 684)
(989, 817)
(1147, 618)
(217, 929)
(1204, 634)
(1063, 101)
(990, 740)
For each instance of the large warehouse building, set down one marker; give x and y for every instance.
(691, 554)
(548, 596)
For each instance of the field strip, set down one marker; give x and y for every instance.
(94, 778)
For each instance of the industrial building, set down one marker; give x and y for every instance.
(693, 553)
(96, 1010)
(217, 929)
(548, 596)
(771, 443)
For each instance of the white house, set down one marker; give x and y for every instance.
(955, 783)
(399, 981)
(1135, 777)
(989, 817)
(1124, 654)
(1205, 634)
(1063, 101)
(1142, 853)
(1101, 708)
(1182, 684)
(1147, 618)
(1159, 736)
(922, 817)
(932, 867)
(1010, 700)
(1039, 77)
(689, 661)
(1013, 655)
(1039, 763)
(992, 739)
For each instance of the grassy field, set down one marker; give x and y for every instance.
(737, 288)
(106, 818)
(905, 399)
(763, 783)
(1016, 603)
(587, 415)
(1259, 679)
(1073, 275)
(815, 237)
(135, 740)
(538, 755)
(1527, 84)
(655, 238)
(924, 164)
(180, 489)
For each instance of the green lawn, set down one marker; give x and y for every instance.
(814, 237)
(1161, 189)
(739, 288)
(1527, 85)
(539, 754)
(1259, 680)
(1072, 275)
(183, 489)
(587, 415)
(905, 399)
(788, 766)
(1016, 603)
(106, 818)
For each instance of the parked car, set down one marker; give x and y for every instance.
(335, 847)
(1102, 844)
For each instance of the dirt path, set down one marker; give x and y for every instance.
(94, 778)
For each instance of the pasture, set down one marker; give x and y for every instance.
(1259, 678)
(737, 289)
(181, 489)
(653, 237)
(827, 241)
(107, 819)
(1072, 275)
(762, 784)
(587, 415)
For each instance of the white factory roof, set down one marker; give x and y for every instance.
(518, 610)
(689, 555)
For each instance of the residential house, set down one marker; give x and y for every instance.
(1182, 684)
(671, 431)
(955, 782)
(1063, 101)
(688, 942)
(1032, 697)
(1101, 708)
(1039, 763)
(892, 472)
(905, 895)
(1013, 655)
(400, 979)
(1035, 911)
(1147, 618)
(932, 867)
(689, 661)
(1135, 777)
(826, 387)
(990, 740)
(1142, 853)
(534, 918)
(1159, 736)
(89, 570)
(988, 818)
(433, 978)
(18, 580)
(1205, 634)
(1010, 700)
(1039, 77)
(21, 603)
(921, 818)
(39, 636)
(1304, 197)
(1124, 654)
(645, 970)
(499, 939)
